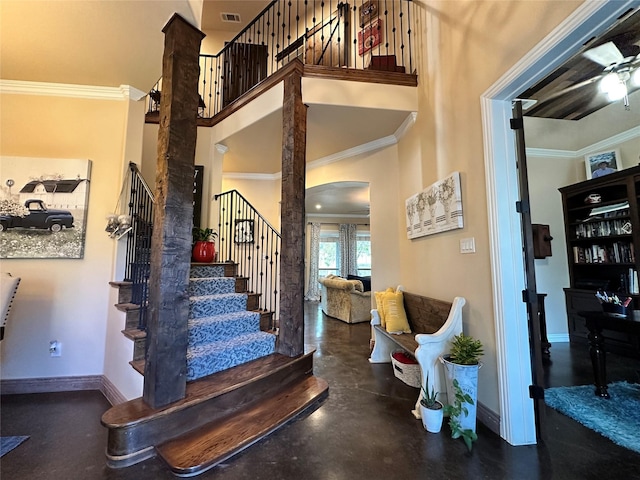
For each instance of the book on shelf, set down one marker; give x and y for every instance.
(609, 208)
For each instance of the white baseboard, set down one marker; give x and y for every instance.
(63, 384)
(489, 418)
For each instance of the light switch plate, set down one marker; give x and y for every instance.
(468, 245)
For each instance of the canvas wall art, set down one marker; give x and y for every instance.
(437, 208)
(43, 207)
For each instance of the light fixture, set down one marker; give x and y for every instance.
(635, 78)
(318, 206)
(614, 84)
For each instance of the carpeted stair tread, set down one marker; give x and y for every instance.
(211, 444)
(211, 305)
(211, 285)
(203, 360)
(207, 270)
(225, 326)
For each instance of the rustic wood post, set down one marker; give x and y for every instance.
(165, 366)
(294, 141)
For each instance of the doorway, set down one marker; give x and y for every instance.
(512, 338)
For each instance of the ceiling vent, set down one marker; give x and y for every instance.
(230, 17)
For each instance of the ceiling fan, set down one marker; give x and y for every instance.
(621, 72)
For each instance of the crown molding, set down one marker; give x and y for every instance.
(19, 87)
(405, 126)
(252, 176)
(610, 142)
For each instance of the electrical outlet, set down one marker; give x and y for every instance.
(55, 348)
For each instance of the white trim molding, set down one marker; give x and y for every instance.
(610, 142)
(19, 87)
(336, 157)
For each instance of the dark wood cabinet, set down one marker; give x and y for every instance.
(602, 231)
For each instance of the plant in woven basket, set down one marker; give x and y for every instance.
(465, 350)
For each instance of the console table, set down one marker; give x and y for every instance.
(596, 322)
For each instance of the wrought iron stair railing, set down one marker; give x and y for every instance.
(245, 237)
(363, 34)
(138, 252)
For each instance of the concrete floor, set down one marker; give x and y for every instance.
(365, 430)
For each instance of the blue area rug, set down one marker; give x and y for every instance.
(9, 443)
(617, 418)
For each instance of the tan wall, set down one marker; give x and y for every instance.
(468, 46)
(65, 300)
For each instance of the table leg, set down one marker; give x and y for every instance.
(598, 360)
(545, 345)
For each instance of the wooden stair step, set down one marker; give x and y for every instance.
(127, 307)
(138, 366)
(135, 428)
(134, 333)
(211, 444)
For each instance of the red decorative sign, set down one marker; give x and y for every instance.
(370, 37)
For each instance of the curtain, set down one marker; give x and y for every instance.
(313, 288)
(348, 250)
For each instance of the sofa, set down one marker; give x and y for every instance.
(345, 299)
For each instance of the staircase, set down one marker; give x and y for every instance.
(222, 332)
(238, 389)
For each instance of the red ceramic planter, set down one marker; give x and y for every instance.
(203, 252)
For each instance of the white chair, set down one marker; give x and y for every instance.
(8, 288)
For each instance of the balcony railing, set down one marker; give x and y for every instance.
(362, 34)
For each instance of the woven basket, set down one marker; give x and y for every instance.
(406, 368)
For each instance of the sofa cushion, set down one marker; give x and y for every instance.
(366, 281)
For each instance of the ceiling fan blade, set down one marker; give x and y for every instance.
(605, 54)
(564, 91)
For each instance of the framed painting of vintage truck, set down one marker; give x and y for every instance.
(43, 207)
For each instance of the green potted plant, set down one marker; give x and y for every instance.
(461, 366)
(431, 410)
(204, 249)
(455, 411)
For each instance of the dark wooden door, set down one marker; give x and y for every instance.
(530, 296)
(245, 65)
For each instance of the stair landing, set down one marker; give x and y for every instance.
(240, 394)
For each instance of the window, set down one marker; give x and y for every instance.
(363, 241)
(328, 255)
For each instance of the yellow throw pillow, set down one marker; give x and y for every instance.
(394, 314)
(379, 304)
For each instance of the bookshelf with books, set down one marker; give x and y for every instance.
(602, 231)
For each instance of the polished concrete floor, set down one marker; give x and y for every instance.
(364, 430)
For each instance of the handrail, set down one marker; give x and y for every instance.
(366, 35)
(138, 254)
(249, 240)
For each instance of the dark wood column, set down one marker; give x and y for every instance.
(165, 367)
(294, 144)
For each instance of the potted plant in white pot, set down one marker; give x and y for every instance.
(461, 365)
(431, 410)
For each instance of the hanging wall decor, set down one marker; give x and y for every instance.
(43, 207)
(370, 37)
(436, 209)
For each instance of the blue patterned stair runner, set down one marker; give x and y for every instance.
(222, 333)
